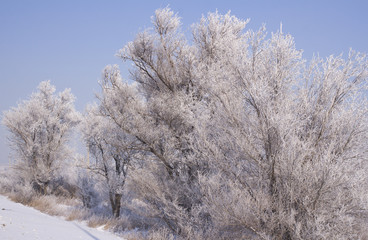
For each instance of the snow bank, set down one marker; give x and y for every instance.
(20, 222)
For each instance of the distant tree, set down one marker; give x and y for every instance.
(40, 129)
(240, 134)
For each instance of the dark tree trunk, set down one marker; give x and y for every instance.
(40, 188)
(115, 200)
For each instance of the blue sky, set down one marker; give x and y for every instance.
(70, 42)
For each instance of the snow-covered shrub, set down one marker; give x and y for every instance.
(20, 190)
(87, 189)
(6, 180)
(63, 187)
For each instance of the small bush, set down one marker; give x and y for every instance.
(76, 213)
(86, 189)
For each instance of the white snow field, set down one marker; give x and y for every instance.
(18, 222)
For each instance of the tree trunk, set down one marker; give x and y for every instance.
(115, 200)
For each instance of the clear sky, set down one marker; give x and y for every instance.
(70, 42)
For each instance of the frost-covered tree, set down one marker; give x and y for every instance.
(111, 148)
(40, 129)
(241, 134)
(158, 113)
(287, 138)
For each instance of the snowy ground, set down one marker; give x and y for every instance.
(20, 222)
